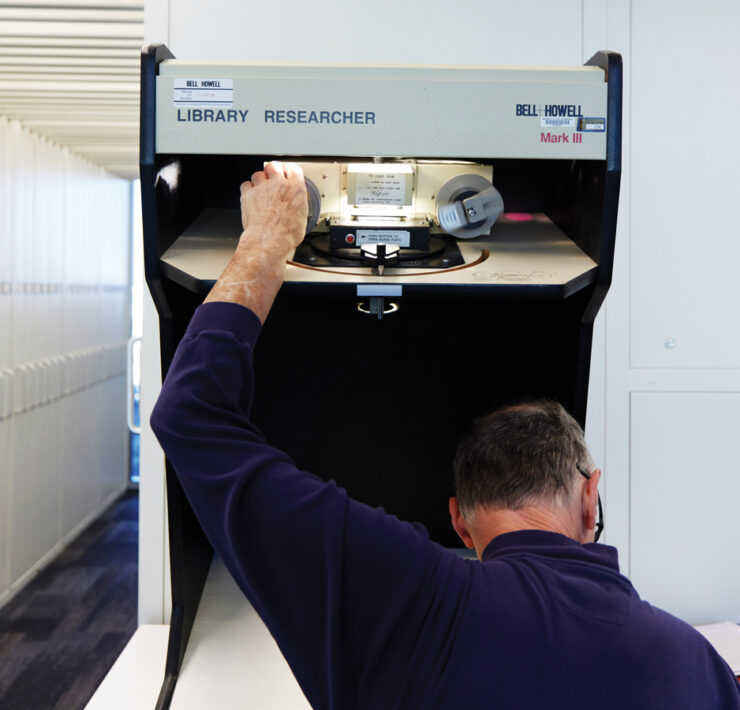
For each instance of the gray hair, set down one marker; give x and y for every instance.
(516, 456)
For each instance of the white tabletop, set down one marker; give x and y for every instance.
(136, 677)
(231, 661)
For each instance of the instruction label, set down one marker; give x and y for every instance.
(384, 236)
(207, 93)
(381, 189)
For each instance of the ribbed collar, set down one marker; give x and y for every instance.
(549, 544)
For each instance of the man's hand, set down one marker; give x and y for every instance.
(274, 212)
(275, 209)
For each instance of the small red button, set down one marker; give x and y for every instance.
(350, 239)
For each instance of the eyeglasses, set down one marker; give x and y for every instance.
(600, 519)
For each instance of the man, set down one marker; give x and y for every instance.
(367, 611)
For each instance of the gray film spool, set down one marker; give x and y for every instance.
(457, 189)
(314, 205)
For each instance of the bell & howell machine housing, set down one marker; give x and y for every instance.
(459, 245)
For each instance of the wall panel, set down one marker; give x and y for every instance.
(684, 493)
(382, 32)
(35, 515)
(684, 231)
(6, 431)
(65, 317)
(114, 435)
(81, 492)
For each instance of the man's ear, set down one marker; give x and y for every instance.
(589, 501)
(458, 522)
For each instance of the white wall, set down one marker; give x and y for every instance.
(673, 356)
(64, 320)
(676, 252)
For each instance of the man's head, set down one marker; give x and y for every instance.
(519, 469)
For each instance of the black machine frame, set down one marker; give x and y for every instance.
(539, 337)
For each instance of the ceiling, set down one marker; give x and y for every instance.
(69, 70)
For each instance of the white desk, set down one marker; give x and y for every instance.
(136, 677)
(231, 661)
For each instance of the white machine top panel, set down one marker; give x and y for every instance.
(355, 111)
(523, 249)
(178, 67)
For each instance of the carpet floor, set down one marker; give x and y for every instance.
(62, 633)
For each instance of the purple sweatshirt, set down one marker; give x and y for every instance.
(370, 614)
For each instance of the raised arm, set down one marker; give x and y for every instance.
(334, 580)
(274, 213)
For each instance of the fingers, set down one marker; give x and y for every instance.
(274, 169)
(293, 171)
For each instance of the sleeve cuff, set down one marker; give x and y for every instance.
(231, 317)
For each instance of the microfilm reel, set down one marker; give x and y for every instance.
(314, 205)
(457, 189)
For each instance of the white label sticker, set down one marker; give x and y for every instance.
(384, 236)
(203, 92)
(557, 122)
(381, 188)
(592, 124)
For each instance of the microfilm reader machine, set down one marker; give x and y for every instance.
(459, 245)
(417, 178)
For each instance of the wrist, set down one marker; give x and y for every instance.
(265, 246)
(252, 279)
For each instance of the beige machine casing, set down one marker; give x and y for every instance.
(440, 121)
(433, 112)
